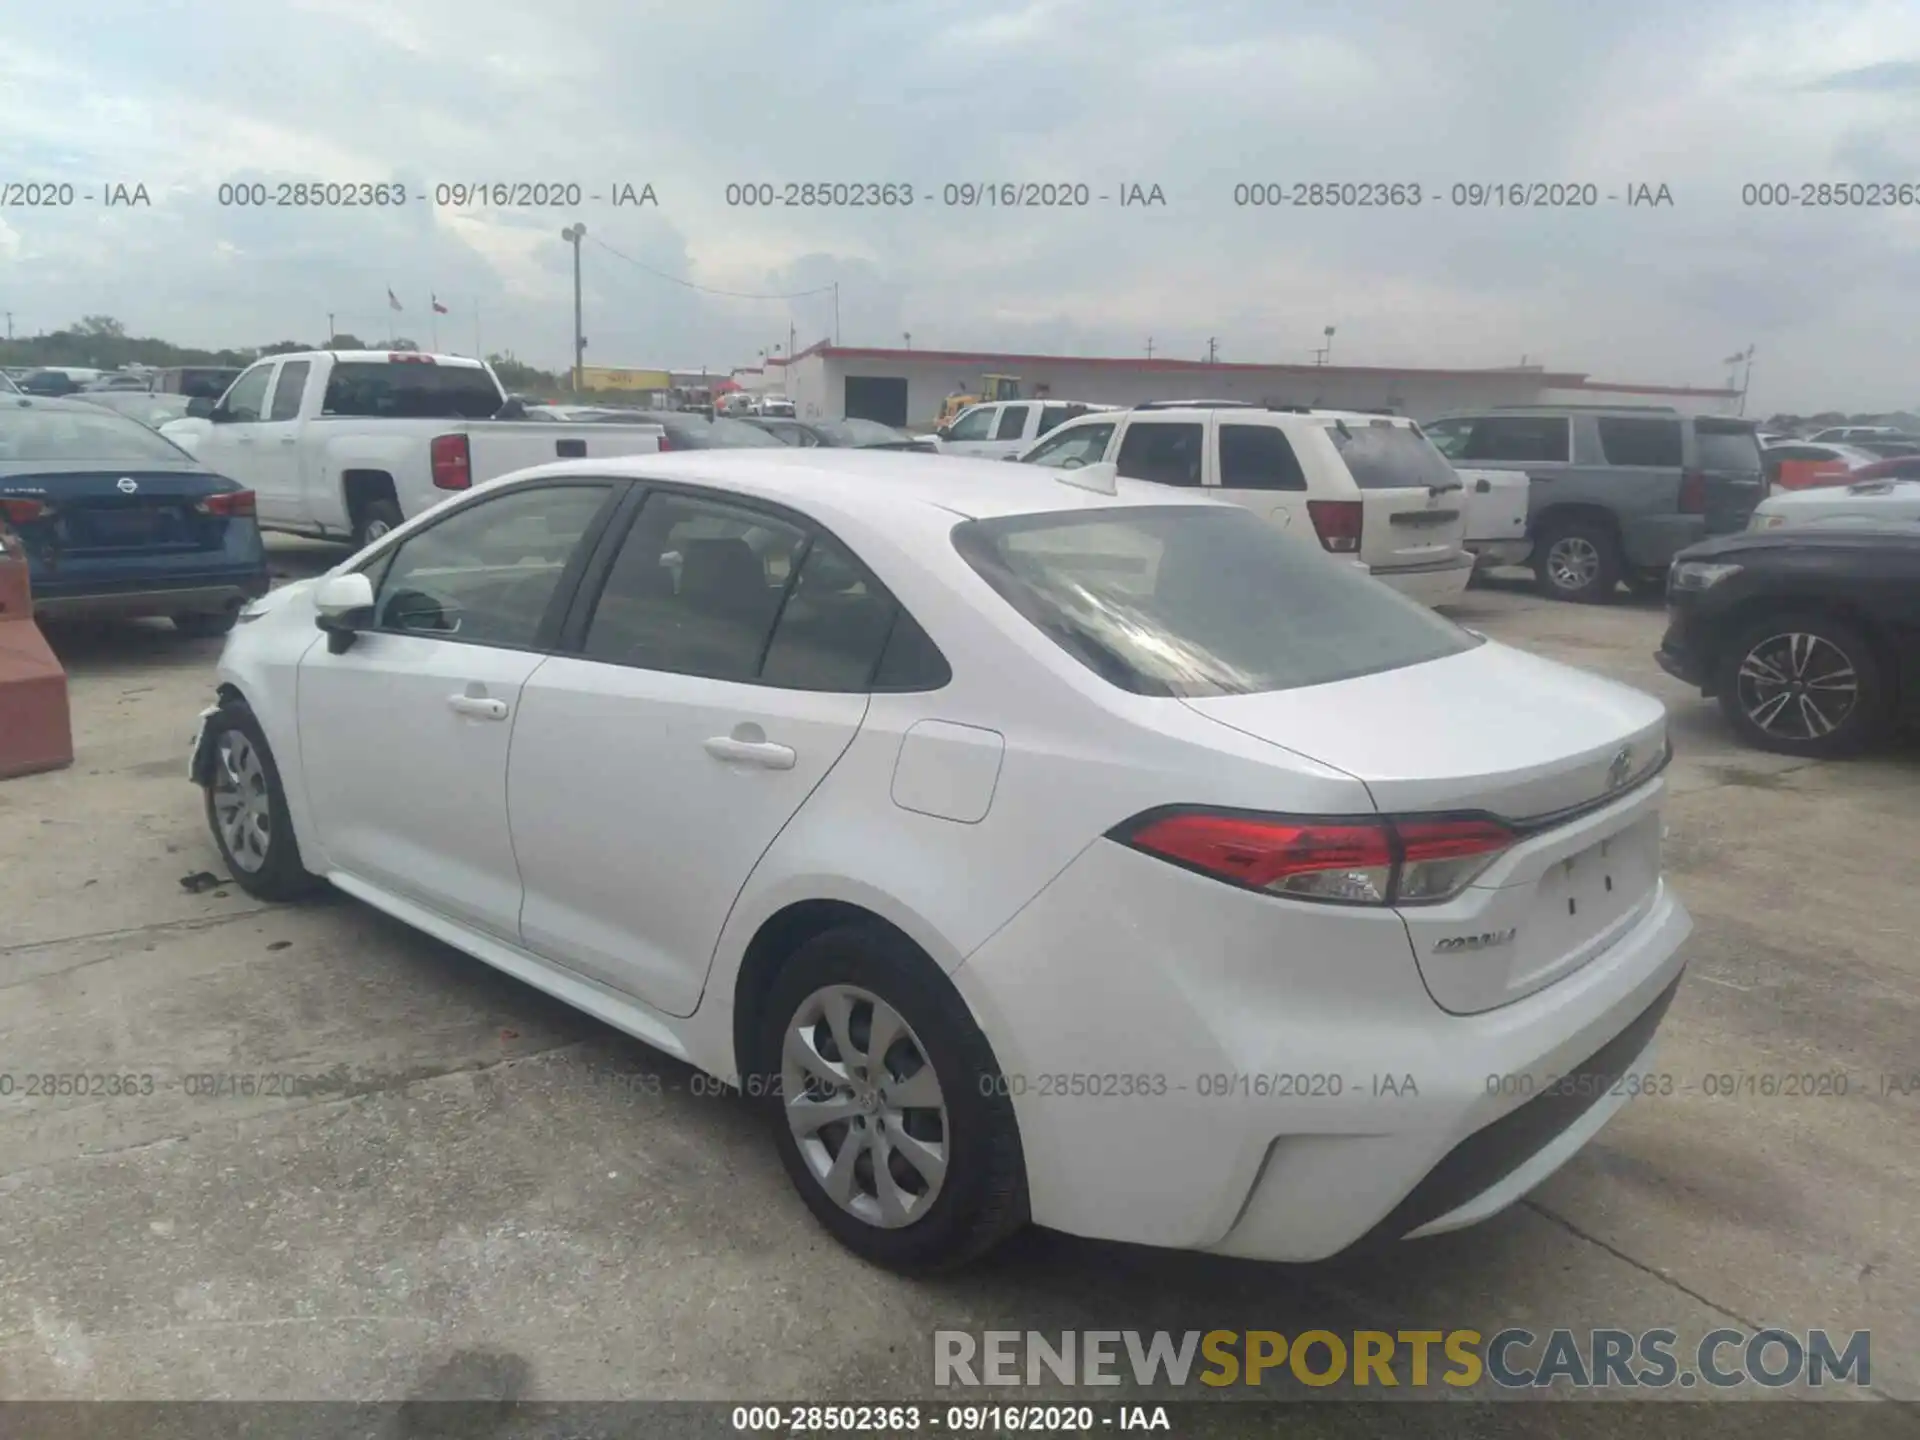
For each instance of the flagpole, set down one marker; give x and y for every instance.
(479, 353)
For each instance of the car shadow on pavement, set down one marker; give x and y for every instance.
(102, 647)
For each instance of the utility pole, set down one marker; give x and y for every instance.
(1213, 350)
(9, 327)
(1149, 347)
(331, 331)
(836, 312)
(573, 235)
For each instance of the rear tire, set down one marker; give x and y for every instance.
(206, 624)
(1578, 560)
(1839, 707)
(979, 1196)
(377, 517)
(246, 807)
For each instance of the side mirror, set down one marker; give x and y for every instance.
(1014, 457)
(200, 407)
(515, 408)
(343, 604)
(944, 432)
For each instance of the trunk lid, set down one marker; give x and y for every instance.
(1413, 505)
(1535, 743)
(92, 512)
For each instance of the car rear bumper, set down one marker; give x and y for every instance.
(1437, 584)
(189, 595)
(1199, 1067)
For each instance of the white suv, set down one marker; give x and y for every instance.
(1369, 486)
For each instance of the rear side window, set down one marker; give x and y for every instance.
(1520, 437)
(833, 626)
(288, 389)
(1258, 457)
(1193, 601)
(1724, 445)
(411, 390)
(1640, 442)
(1164, 452)
(1013, 422)
(1391, 457)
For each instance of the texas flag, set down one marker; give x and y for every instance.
(392, 299)
(438, 308)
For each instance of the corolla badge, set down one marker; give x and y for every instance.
(1487, 941)
(1620, 768)
(127, 485)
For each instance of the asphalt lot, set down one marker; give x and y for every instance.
(508, 1199)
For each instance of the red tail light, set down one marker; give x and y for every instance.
(1693, 492)
(230, 503)
(24, 512)
(1351, 862)
(666, 442)
(1337, 523)
(452, 462)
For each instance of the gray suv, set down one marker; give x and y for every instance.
(1616, 489)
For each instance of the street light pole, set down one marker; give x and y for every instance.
(573, 235)
(836, 312)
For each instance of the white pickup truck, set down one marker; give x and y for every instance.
(345, 444)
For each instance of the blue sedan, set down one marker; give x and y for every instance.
(118, 521)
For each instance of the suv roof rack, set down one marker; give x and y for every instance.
(1211, 405)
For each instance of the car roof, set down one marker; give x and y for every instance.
(1240, 411)
(878, 485)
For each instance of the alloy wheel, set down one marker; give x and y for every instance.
(1798, 686)
(376, 529)
(1573, 561)
(242, 805)
(865, 1106)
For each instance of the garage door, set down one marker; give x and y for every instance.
(877, 397)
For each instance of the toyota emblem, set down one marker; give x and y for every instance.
(1620, 768)
(127, 485)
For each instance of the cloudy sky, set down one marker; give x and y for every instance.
(1194, 97)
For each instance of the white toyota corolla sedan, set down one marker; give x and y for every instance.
(1040, 845)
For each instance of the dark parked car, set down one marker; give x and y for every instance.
(841, 434)
(688, 431)
(49, 382)
(117, 520)
(1808, 635)
(1616, 490)
(207, 382)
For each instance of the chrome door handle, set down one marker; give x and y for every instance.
(477, 707)
(765, 754)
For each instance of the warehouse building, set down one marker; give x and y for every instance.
(906, 387)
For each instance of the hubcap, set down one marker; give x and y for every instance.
(1573, 562)
(864, 1106)
(1798, 686)
(375, 529)
(242, 807)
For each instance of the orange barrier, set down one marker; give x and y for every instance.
(36, 728)
(1810, 474)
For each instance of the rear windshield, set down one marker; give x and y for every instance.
(1726, 446)
(1197, 601)
(411, 391)
(30, 433)
(1391, 457)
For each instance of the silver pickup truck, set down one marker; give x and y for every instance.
(345, 444)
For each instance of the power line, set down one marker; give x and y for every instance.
(706, 289)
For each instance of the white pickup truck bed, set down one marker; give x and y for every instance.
(1496, 516)
(347, 444)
